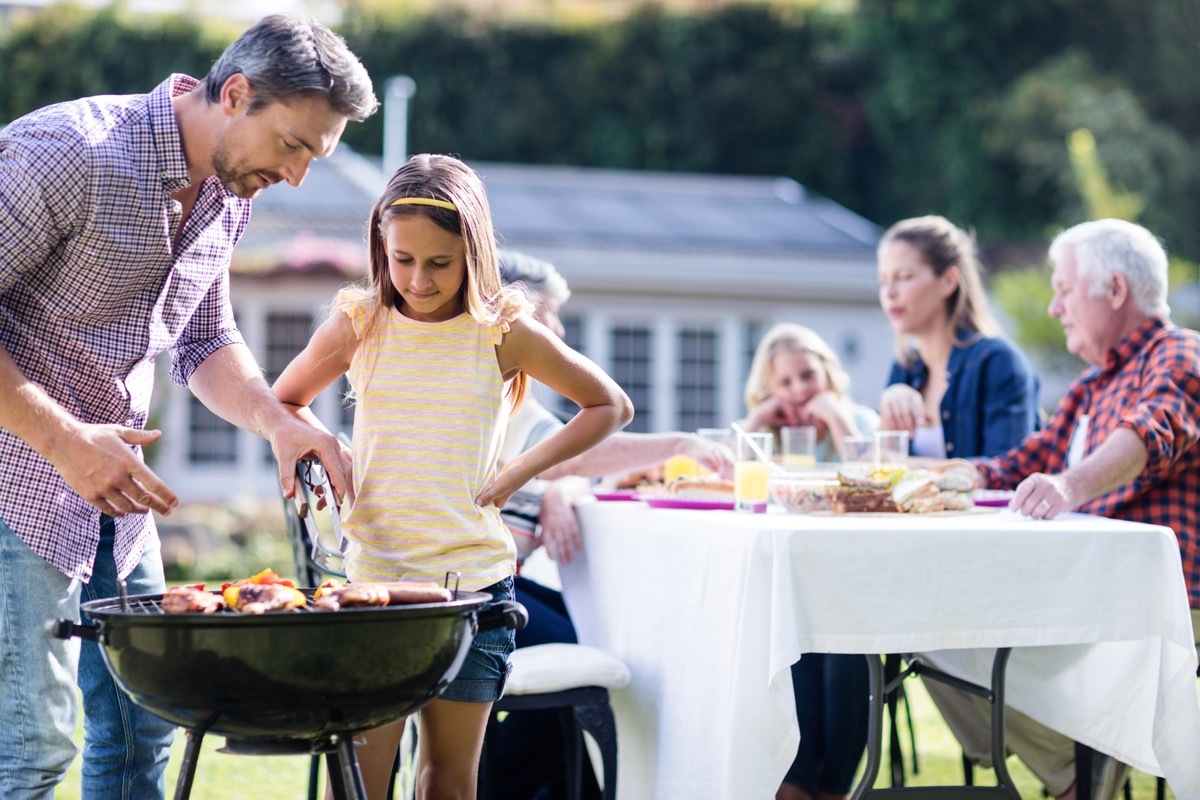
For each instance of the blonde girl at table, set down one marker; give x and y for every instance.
(438, 353)
(797, 379)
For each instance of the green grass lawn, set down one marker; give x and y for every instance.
(222, 777)
(226, 777)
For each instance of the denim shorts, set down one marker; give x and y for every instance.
(485, 671)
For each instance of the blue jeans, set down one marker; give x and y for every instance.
(483, 674)
(125, 748)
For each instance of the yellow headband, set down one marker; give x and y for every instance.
(423, 201)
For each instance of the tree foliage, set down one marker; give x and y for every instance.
(68, 52)
(895, 108)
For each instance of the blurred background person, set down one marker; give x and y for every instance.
(1122, 443)
(957, 386)
(525, 760)
(797, 379)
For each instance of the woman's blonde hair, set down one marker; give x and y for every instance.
(943, 245)
(788, 337)
(448, 182)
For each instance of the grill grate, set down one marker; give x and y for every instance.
(152, 605)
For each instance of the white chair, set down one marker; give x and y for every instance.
(574, 679)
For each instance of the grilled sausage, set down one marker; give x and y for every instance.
(381, 594)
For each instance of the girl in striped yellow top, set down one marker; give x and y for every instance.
(438, 354)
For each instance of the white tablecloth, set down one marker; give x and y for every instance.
(709, 609)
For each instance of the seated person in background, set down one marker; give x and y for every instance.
(526, 761)
(797, 379)
(1122, 442)
(956, 386)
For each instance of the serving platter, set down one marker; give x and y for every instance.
(994, 498)
(617, 495)
(956, 512)
(694, 505)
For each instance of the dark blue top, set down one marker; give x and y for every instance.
(991, 399)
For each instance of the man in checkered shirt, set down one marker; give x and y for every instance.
(118, 215)
(1122, 443)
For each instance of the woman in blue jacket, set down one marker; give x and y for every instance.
(957, 386)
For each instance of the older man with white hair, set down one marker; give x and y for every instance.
(1122, 442)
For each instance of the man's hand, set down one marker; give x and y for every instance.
(1043, 496)
(97, 461)
(295, 439)
(713, 456)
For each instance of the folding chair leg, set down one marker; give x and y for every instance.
(598, 721)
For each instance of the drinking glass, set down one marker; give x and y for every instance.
(891, 449)
(799, 446)
(752, 471)
(725, 436)
(859, 450)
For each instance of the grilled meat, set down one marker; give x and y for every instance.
(257, 598)
(191, 599)
(330, 597)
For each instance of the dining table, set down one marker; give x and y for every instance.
(710, 608)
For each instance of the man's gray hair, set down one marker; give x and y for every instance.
(1105, 247)
(538, 276)
(285, 57)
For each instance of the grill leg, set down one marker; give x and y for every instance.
(344, 775)
(187, 770)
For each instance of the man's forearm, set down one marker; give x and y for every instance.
(1121, 458)
(231, 384)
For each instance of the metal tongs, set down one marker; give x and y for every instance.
(314, 493)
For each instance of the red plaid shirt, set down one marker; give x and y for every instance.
(1150, 384)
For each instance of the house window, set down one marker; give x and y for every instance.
(287, 334)
(697, 389)
(573, 335)
(632, 369)
(211, 440)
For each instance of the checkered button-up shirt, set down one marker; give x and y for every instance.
(94, 285)
(1150, 383)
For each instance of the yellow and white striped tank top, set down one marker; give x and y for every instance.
(428, 426)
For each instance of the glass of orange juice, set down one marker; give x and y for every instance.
(752, 471)
(799, 446)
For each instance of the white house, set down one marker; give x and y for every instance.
(674, 279)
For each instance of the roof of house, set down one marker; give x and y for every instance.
(571, 207)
